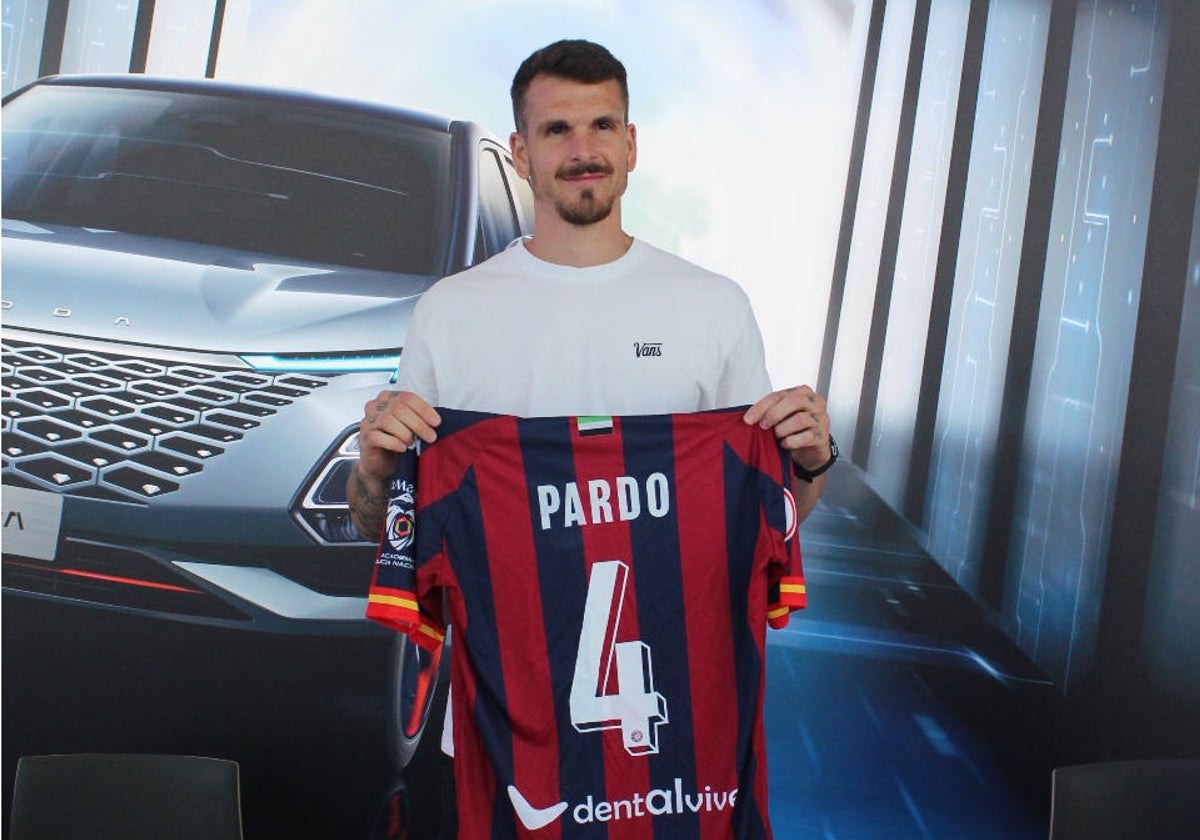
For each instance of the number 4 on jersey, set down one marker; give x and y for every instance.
(636, 708)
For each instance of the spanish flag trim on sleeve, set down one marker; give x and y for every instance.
(791, 596)
(792, 593)
(393, 608)
(428, 636)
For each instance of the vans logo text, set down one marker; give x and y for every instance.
(650, 348)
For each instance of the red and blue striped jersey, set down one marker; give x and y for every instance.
(610, 582)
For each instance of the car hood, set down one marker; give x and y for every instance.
(168, 293)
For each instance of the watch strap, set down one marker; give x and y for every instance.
(808, 475)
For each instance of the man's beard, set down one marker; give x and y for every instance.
(586, 211)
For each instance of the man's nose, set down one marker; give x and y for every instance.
(582, 146)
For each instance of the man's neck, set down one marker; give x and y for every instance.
(579, 246)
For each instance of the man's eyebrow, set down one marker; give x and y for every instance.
(549, 125)
(560, 123)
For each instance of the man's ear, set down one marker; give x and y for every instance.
(631, 145)
(516, 145)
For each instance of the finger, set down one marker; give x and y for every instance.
(412, 412)
(809, 438)
(381, 428)
(393, 438)
(418, 405)
(799, 422)
(782, 404)
(755, 414)
(409, 419)
(376, 404)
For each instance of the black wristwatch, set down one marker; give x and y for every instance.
(809, 475)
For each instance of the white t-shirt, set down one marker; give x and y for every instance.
(649, 333)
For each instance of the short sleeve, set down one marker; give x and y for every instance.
(786, 588)
(743, 378)
(394, 599)
(416, 371)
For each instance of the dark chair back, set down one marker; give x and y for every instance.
(132, 797)
(1121, 800)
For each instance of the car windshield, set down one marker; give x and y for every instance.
(295, 180)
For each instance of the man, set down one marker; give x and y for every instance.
(582, 318)
(524, 332)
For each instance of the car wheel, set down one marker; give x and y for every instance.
(416, 675)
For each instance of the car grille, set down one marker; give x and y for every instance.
(104, 425)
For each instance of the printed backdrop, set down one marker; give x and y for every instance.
(935, 679)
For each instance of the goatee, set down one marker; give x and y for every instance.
(586, 211)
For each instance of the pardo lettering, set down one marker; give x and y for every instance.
(595, 505)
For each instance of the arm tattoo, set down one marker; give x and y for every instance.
(368, 506)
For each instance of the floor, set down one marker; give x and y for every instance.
(894, 710)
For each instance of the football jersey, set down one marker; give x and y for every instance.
(610, 581)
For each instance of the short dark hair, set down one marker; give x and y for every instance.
(575, 59)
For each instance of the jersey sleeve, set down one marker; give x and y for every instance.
(786, 588)
(395, 598)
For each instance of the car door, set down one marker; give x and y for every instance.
(502, 214)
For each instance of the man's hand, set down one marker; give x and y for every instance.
(797, 415)
(801, 425)
(391, 423)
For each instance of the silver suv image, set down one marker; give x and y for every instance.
(203, 283)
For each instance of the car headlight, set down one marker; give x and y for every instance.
(322, 509)
(329, 363)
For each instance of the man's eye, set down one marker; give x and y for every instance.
(556, 129)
